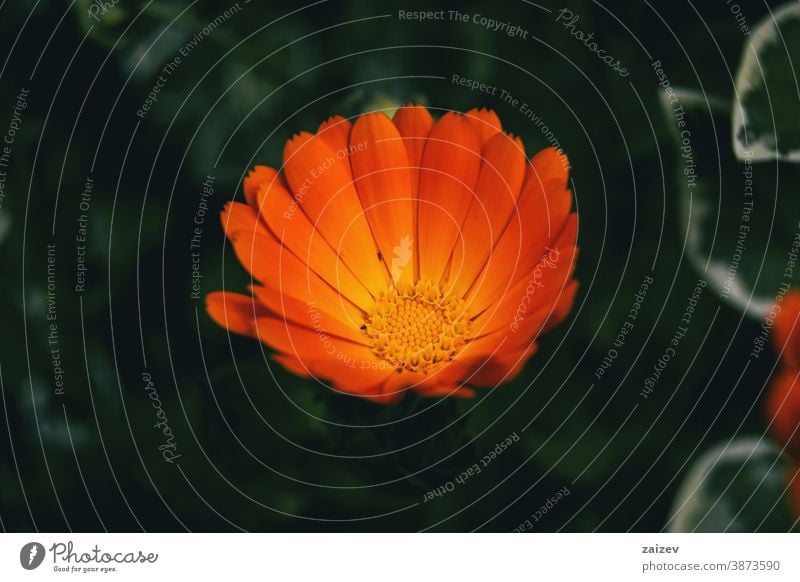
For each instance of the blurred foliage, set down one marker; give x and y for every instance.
(739, 486)
(259, 446)
(765, 119)
(741, 215)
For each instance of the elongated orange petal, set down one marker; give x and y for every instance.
(335, 131)
(486, 360)
(485, 122)
(398, 384)
(550, 164)
(239, 218)
(783, 408)
(324, 311)
(503, 367)
(450, 165)
(382, 392)
(292, 364)
(291, 226)
(234, 311)
(562, 307)
(383, 180)
(322, 186)
(529, 318)
(525, 326)
(345, 363)
(414, 123)
(541, 286)
(279, 269)
(253, 181)
(496, 194)
(375, 393)
(540, 218)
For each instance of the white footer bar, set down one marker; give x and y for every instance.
(400, 557)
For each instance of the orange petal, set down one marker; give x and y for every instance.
(521, 317)
(563, 307)
(335, 371)
(388, 391)
(450, 165)
(550, 164)
(383, 180)
(485, 122)
(291, 226)
(496, 194)
(375, 394)
(322, 186)
(783, 408)
(323, 311)
(540, 218)
(547, 316)
(292, 364)
(502, 368)
(234, 311)
(414, 123)
(336, 133)
(253, 181)
(510, 338)
(238, 218)
(348, 365)
(542, 286)
(424, 385)
(277, 268)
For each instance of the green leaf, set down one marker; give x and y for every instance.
(736, 486)
(738, 219)
(766, 120)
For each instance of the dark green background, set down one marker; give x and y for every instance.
(250, 457)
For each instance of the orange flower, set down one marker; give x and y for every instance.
(404, 253)
(783, 399)
(783, 409)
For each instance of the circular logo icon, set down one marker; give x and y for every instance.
(31, 555)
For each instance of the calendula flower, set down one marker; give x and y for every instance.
(404, 253)
(783, 408)
(783, 398)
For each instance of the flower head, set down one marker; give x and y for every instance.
(403, 253)
(783, 398)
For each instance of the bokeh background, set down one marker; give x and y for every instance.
(256, 448)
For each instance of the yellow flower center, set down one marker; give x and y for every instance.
(417, 327)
